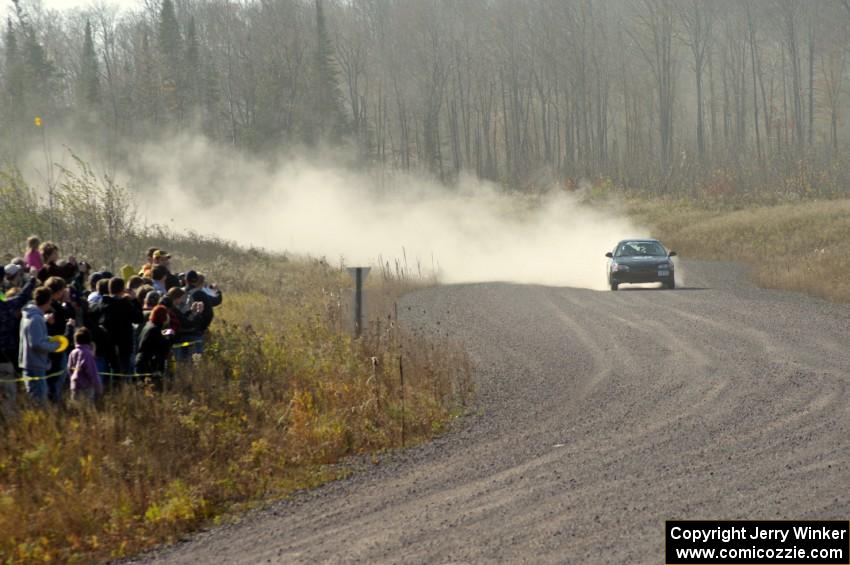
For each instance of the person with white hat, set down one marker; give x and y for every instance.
(11, 276)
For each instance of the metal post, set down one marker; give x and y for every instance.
(358, 302)
(401, 378)
(359, 274)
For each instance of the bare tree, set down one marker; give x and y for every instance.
(657, 23)
(698, 18)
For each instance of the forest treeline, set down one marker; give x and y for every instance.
(722, 96)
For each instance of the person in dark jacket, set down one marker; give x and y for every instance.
(163, 258)
(155, 344)
(187, 321)
(53, 267)
(209, 296)
(49, 256)
(62, 322)
(115, 316)
(104, 352)
(159, 276)
(10, 312)
(152, 299)
(148, 304)
(78, 284)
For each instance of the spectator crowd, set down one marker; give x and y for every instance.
(66, 328)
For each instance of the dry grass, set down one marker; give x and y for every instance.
(282, 393)
(801, 247)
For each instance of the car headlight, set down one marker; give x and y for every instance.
(668, 265)
(617, 267)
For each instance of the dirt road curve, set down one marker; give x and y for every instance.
(602, 414)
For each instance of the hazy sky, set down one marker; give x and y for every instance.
(66, 4)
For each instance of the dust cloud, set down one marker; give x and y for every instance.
(327, 207)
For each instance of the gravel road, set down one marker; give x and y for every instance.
(600, 415)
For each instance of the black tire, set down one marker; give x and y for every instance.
(670, 284)
(614, 286)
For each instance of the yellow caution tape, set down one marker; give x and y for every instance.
(127, 375)
(130, 375)
(30, 379)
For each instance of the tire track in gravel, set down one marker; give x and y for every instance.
(599, 416)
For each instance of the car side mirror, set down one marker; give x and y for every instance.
(609, 255)
(673, 254)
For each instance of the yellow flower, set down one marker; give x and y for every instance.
(38, 121)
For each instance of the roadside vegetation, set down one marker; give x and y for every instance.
(282, 395)
(800, 246)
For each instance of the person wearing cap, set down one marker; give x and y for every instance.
(10, 311)
(13, 276)
(12, 270)
(163, 258)
(145, 271)
(35, 345)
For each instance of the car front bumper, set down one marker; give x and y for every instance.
(641, 276)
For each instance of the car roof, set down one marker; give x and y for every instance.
(640, 240)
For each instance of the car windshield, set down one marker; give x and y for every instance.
(640, 249)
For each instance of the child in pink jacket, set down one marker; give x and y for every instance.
(33, 255)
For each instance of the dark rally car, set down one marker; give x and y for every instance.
(640, 261)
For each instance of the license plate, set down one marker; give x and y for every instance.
(663, 273)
